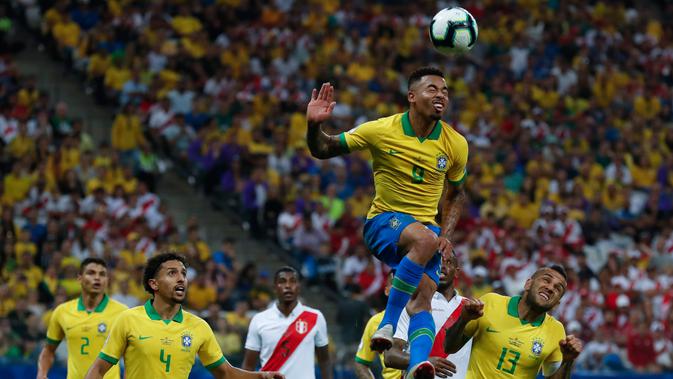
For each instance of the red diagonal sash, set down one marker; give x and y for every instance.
(295, 333)
(438, 346)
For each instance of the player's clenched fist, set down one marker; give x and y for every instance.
(272, 375)
(571, 347)
(472, 309)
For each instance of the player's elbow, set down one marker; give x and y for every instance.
(319, 153)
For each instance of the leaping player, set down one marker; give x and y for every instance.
(416, 159)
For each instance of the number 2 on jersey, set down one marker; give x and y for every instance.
(85, 344)
(417, 174)
(513, 359)
(166, 360)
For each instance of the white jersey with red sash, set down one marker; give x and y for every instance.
(444, 313)
(287, 344)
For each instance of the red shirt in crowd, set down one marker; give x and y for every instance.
(640, 347)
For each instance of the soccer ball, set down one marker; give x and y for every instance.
(453, 30)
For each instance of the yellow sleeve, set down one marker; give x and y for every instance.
(55, 333)
(457, 172)
(210, 352)
(553, 361)
(115, 344)
(360, 137)
(365, 355)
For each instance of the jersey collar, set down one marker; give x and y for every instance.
(99, 308)
(409, 131)
(513, 310)
(295, 311)
(154, 315)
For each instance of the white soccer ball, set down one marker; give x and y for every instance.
(453, 30)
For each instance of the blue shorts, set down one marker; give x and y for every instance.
(382, 233)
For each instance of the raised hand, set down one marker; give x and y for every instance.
(321, 105)
(472, 309)
(445, 247)
(571, 347)
(443, 367)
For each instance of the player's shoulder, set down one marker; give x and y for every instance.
(494, 297)
(495, 300)
(132, 313)
(116, 307)
(70, 304)
(268, 313)
(193, 320)
(381, 122)
(551, 323)
(453, 135)
(66, 306)
(306, 308)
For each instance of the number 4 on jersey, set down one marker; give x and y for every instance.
(166, 360)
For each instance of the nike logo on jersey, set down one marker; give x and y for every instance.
(491, 330)
(394, 152)
(144, 337)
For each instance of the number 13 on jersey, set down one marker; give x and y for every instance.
(508, 360)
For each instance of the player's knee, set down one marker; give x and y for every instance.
(426, 246)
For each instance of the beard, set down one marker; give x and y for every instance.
(535, 306)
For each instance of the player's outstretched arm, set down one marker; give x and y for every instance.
(319, 110)
(46, 360)
(571, 347)
(452, 204)
(395, 357)
(227, 371)
(250, 360)
(455, 336)
(362, 371)
(98, 369)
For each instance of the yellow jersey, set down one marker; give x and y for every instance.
(366, 356)
(156, 348)
(409, 171)
(85, 332)
(506, 346)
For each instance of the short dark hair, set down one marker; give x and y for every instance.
(153, 265)
(560, 270)
(421, 72)
(555, 267)
(90, 260)
(285, 269)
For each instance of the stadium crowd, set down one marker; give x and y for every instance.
(567, 107)
(65, 198)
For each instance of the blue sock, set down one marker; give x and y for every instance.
(407, 277)
(421, 337)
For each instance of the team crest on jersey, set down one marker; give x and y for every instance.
(301, 327)
(395, 223)
(442, 162)
(186, 340)
(537, 347)
(102, 328)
